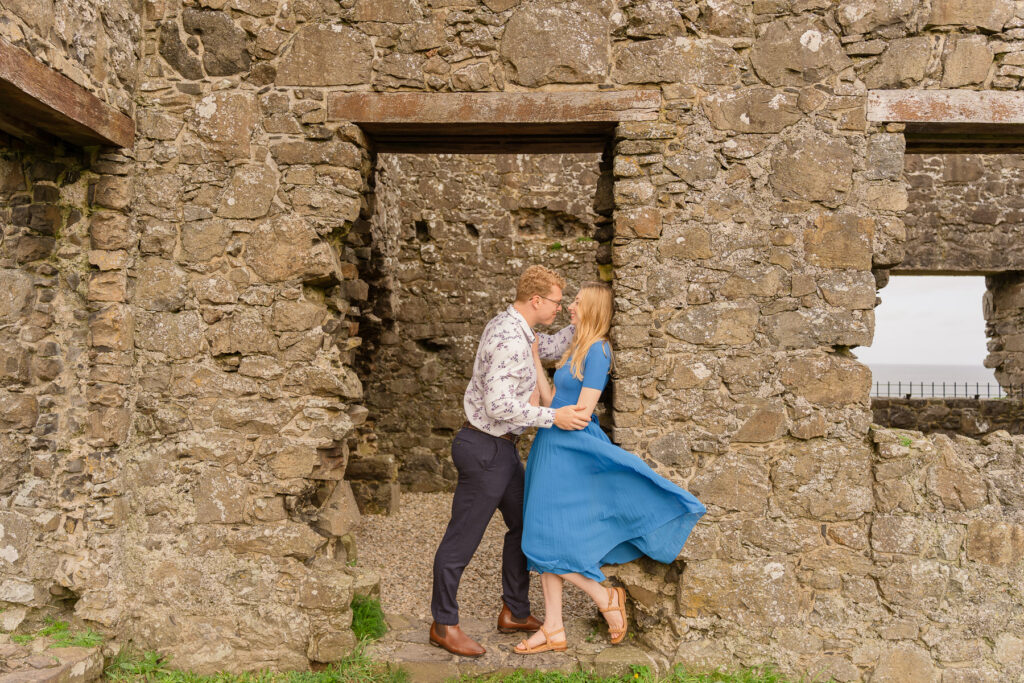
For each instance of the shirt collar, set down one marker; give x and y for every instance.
(518, 317)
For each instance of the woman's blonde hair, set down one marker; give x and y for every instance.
(593, 321)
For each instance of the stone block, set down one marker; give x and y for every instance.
(112, 328)
(286, 248)
(16, 295)
(840, 241)
(797, 51)
(999, 544)
(221, 498)
(112, 192)
(332, 152)
(919, 585)
(176, 335)
(697, 61)
(107, 286)
(734, 482)
(160, 285)
(311, 58)
(766, 424)
(753, 110)
(823, 482)
(761, 593)
(555, 42)
(243, 331)
(339, 513)
(225, 121)
(905, 663)
(718, 323)
(864, 16)
(225, 46)
(967, 63)
(904, 63)
(249, 193)
(203, 241)
(645, 222)
(992, 15)
(110, 231)
(813, 167)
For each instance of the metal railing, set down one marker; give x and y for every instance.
(974, 390)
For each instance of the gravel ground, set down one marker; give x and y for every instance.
(400, 547)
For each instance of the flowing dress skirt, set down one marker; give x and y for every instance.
(589, 503)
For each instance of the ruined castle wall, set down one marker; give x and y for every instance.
(748, 220)
(463, 227)
(965, 213)
(950, 416)
(95, 43)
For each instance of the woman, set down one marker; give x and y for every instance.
(588, 502)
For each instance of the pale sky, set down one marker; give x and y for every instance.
(928, 320)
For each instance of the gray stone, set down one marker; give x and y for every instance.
(225, 48)
(864, 16)
(905, 62)
(176, 335)
(160, 285)
(813, 167)
(286, 248)
(249, 193)
(176, 54)
(682, 60)
(555, 42)
(313, 57)
(992, 15)
(797, 52)
(969, 62)
(753, 110)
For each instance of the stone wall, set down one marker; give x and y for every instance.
(232, 261)
(920, 583)
(95, 43)
(462, 230)
(965, 213)
(950, 416)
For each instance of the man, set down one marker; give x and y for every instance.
(484, 452)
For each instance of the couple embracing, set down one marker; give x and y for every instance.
(582, 502)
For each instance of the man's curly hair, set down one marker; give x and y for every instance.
(537, 281)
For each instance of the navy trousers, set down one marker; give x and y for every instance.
(490, 478)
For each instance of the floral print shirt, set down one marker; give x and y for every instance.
(497, 399)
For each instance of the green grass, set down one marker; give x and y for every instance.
(367, 618)
(152, 668)
(62, 635)
(555, 246)
(905, 441)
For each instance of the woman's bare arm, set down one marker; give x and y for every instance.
(588, 399)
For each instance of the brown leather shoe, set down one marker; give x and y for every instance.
(452, 638)
(509, 624)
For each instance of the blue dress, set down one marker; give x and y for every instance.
(588, 502)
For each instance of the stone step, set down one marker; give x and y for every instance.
(31, 664)
(407, 645)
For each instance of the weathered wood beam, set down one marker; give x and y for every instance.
(494, 107)
(977, 107)
(34, 93)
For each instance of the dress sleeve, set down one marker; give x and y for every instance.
(596, 366)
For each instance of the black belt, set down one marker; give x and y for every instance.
(508, 437)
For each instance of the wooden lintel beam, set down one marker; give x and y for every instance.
(509, 109)
(980, 108)
(43, 98)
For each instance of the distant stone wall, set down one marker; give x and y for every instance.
(965, 213)
(462, 229)
(950, 416)
(911, 574)
(95, 43)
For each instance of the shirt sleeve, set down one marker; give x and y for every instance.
(552, 346)
(596, 366)
(501, 379)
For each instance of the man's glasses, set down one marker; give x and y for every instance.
(556, 303)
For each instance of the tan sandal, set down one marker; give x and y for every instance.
(546, 646)
(617, 636)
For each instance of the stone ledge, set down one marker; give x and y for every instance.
(493, 122)
(32, 95)
(494, 107)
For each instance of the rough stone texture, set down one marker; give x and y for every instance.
(453, 233)
(950, 416)
(182, 382)
(95, 43)
(965, 213)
